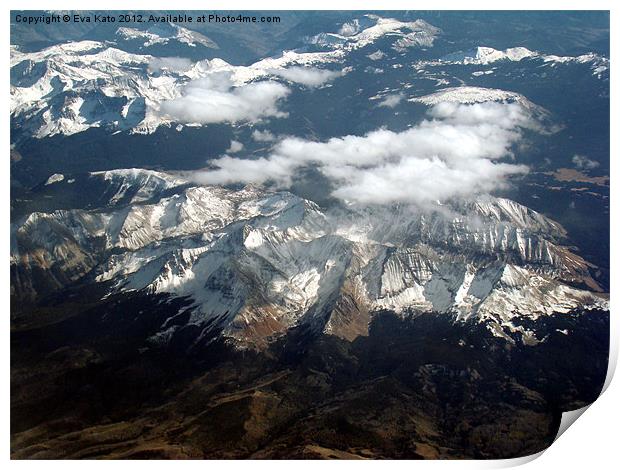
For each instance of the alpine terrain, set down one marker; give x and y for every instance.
(341, 235)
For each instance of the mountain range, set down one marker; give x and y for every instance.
(256, 263)
(342, 235)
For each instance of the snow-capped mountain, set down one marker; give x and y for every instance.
(487, 55)
(69, 88)
(314, 235)
(164, 34)
(361, 33)
(470, 95)
(255, 263)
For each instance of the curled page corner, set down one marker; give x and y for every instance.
(518, 461)
(568, 418)
(612, 360)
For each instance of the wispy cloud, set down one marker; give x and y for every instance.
(308, 76)
(391, 101)
(173, 64)
(214, 99)
(235, 146)
(458, 151)
(262, 136)
(584, 163)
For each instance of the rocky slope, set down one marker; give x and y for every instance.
(69, 88)
(72, 87)
(255, 264)
(487, 55)
(414, 388)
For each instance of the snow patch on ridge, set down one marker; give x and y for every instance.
(251, 259)
(488, 55)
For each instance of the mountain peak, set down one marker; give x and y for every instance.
(241, 255)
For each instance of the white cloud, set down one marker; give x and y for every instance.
(234, 170)
(584, 163)
(235, 146)
(215, 99)
(459, 151)
(263, 136)
(173, 64)
(308, 76)
(391, 101)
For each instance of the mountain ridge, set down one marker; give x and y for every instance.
(257, 262)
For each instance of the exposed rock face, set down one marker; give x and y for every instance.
(420, 387)
(255, 263)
